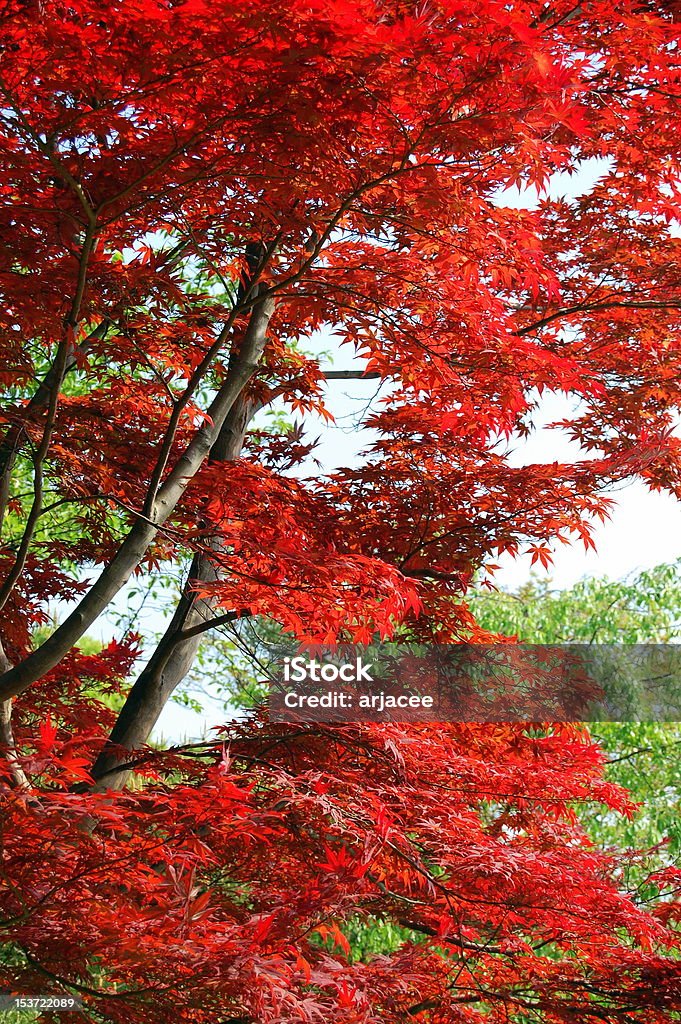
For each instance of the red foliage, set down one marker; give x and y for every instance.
(176, 176)
(226, 895)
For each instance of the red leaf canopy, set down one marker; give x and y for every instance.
(193, 198)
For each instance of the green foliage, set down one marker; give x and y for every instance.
(646, 608)
(644, 757)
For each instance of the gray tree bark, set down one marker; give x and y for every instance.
(174, 655)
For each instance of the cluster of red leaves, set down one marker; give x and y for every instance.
(286, 548)
(229, 894)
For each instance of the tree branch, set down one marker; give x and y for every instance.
(244, 297)
(594, 307)
(212, 623)
(38, 475)
(131, 551)
(350, 375)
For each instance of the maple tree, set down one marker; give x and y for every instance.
(192, 194)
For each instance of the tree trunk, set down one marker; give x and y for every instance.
(173, 657)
